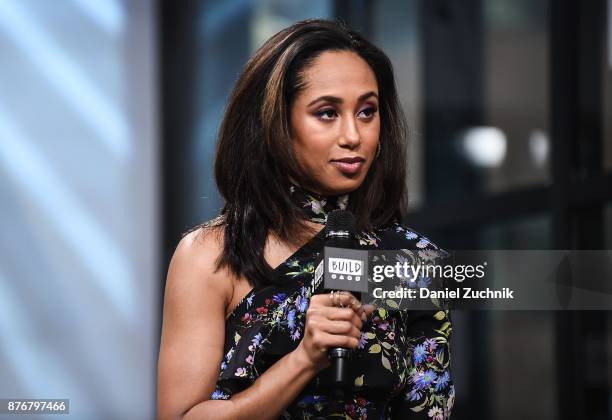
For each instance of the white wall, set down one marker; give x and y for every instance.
(79, 229)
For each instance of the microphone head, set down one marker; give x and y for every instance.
(340, 221)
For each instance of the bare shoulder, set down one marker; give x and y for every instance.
(200, 246)
(193, 265)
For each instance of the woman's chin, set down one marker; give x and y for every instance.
(343, 187)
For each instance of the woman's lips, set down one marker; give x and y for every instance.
(348, 167)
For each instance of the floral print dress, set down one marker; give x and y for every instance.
(401, 368)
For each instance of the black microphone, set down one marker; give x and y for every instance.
(340, 233)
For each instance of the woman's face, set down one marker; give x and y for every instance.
(335, 122)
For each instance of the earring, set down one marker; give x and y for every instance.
(377, 151)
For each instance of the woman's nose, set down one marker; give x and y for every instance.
(350, 134)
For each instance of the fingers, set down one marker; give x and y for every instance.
(342, 327)
(335, 320)
(334, 298)
(341, 302)
(368, 309)
(343, 299)
(345, 341)
(339, 299)
(340, 314)
(327, 334)
(332, 320)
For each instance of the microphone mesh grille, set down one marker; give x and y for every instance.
(341, 220)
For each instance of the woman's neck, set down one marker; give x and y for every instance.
(317, 206)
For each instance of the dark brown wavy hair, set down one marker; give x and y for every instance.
(255, 159)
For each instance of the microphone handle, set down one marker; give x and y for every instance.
(340, 357)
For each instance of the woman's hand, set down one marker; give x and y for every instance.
(329, 326)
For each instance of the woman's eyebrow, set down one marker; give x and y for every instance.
(336, 100)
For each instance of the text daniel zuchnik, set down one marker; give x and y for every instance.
(457, 293)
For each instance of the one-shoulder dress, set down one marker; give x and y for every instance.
(401, 368)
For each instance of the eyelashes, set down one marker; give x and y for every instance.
(372, 110)
(329, 114)
(326, 114)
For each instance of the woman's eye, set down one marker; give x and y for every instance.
(368, 112)
(326, 114)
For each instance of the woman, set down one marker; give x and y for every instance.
(313, 124)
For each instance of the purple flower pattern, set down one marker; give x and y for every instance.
(407, 350)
